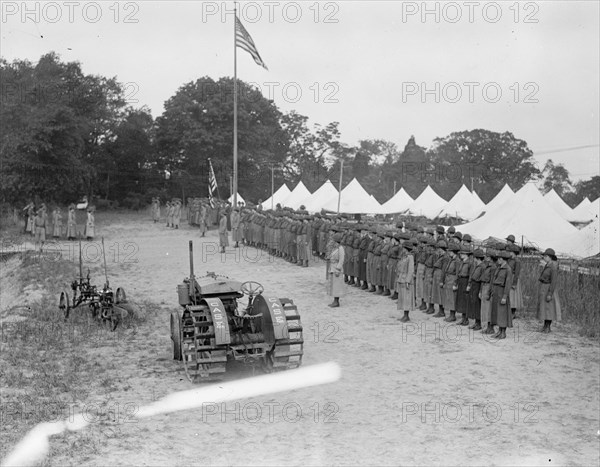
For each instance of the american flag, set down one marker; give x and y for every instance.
(212, 184)
(244, 41)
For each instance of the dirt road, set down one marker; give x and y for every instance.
(422, 393)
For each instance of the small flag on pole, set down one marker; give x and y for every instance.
(244, 41)
(212, 184)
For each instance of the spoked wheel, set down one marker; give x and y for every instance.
(120, 296)
(252, 288)
(64, 304)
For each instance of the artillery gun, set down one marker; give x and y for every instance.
(101, 302)
(213, 327)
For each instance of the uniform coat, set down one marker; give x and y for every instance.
(548, 310)
(516, 291)
(449, 279)
(474, 285)
(501, 283)
(71, 224)
(223, 237)
(236, 234)
(90, 225)
(462, 296)
(57, 222)
(486, 291)
(404, 282)
(438, 277)
(335, 281)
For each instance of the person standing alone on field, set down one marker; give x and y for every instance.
(223, 236)
(335, 281)
(71, 223)
(235, 227)
(90, 225)
(57, 222)
(548, 302)
(40, 224)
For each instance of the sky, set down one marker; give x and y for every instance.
(383, 70)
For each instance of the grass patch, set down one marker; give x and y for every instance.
(51, 368)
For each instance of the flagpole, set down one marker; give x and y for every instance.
(272, 185)
(235, 98)
(340, 185)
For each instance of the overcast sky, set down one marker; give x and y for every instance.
(382, 69)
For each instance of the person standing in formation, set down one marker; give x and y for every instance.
(57, 222)
(335, 281)
(236, 235)
(448, 283)
(176, 216)
(474, 289)
(500, 294)
(405, 271)
(156, 210)
(203, 221)
(462, 294)
(71, 223)
(223, 236)
(548, 303)
(40, 224)
(29, 215)
(90, 225)
(516, 293)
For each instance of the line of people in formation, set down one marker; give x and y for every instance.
(39, 224)
(419, 268)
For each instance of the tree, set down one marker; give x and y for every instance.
(197, 125)
(556, 177)
(483, 158)
(54, 123)
(589, 188)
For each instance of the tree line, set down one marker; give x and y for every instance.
(65, 134)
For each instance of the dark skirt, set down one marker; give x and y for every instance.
(501, 314)
(436, 290)
(474, 308)
(428, 284)
(362, 265)
(462, 296)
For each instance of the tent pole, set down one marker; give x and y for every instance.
(340, 184)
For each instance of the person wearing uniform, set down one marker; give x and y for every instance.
(203, 221)
(57, 222)
(235, 227)
(516, 293)
(223, 236)
(393, 262)
(40, 223)
(156, 210)
(420, 257)
(500, 295)
(462, 282)
(430, 259)
(489, 268)
(474, 289)
(168, 212)
(335, 280)
(448, 282)
(438, 272)
(29, 215)
(548, 302)
(90, 224)
(405, 280)
(71, 223)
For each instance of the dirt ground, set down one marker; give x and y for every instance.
(420, 393)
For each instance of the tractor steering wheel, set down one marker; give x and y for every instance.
(252, 288)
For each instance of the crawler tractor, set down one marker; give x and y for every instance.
(213, 327)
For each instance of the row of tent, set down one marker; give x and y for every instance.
(535, 219)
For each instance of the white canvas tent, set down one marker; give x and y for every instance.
(583, 209)
(296, 197)
(581, 244)
(526, 214)
(397, 203)
(428, 204)
(503, 195)
(239, 199)
(278, 197)
(562, 208)
(354, 200)
(315, 202)
(463, 205)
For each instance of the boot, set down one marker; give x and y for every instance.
(477, 326)
(223, 250)
(346, 280)
(236, 245)
(395, 296)
(452, 317)
(489, 329)
(335, 303)
(465, 320)
(422, 306)
(546, 328)
(430, 309)
(440, 313)
(514, 313)
(405, 318)
(372, 289)
(386, 292)
(501, 334)
(365, 286)
(305, 263)
(358, 284)
(379, 290)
